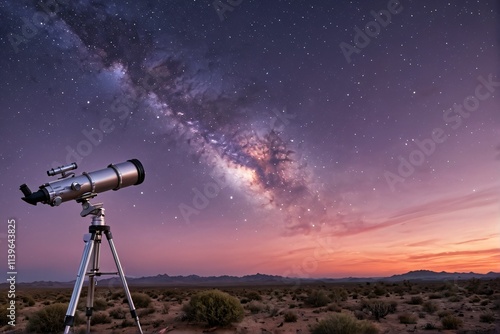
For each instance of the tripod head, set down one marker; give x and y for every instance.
(96, 210)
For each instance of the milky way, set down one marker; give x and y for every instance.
(190, 102)
(258, 133)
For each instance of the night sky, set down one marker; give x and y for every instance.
(294, 138)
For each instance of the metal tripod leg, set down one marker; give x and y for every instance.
(93, 246)
(133, 312)
(92, 273)
(70, 313)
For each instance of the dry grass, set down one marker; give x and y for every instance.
(379, 307)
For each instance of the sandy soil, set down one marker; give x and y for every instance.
(164, 314)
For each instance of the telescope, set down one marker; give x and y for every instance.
(70, 187)
(83, 188)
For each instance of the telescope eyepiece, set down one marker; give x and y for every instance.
(25, 189)
(33, 197)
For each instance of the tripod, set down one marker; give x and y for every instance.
(92, 247)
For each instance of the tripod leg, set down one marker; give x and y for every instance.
(92, 273)
(70, 313)
(133, 312)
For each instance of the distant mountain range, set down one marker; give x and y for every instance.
(261, 280)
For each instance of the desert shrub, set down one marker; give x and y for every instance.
(449, 289)
(170, 295)
(399, 290)
(449, 293)
(49, 319)
(253, 295)
(338, 295)
(127, 323)
(145, 311)
(28, 300)
(255, 307)
(290, 317)
(435, 296)
(496, 302)
(455, 299)
(487, 291)
(475, 299)
(118, 313)
(444, 313)
(416, 300)
(3, 315)
(393, 305)
(341, 323)
(100, 318)
(407, 318)
(428, 326)
(473, 285)
(488, 317)
(378, 308)
(141, 300)
(484, 302)
(62, 298)
(360, 315)
(214, 307)
(318, 298)
(117, 295)
(100, 305)
(334, 308)
(415, 290)
(451, 322)
(274, 312)
(379, 290)
(430, 307)
(152, 293)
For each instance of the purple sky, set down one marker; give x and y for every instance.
(313, 139)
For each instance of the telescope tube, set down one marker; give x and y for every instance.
(114, 177)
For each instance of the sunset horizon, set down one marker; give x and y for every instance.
(356, 139)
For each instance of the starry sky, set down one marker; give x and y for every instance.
(293, 138)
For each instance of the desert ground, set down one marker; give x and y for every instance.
(471, 306)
